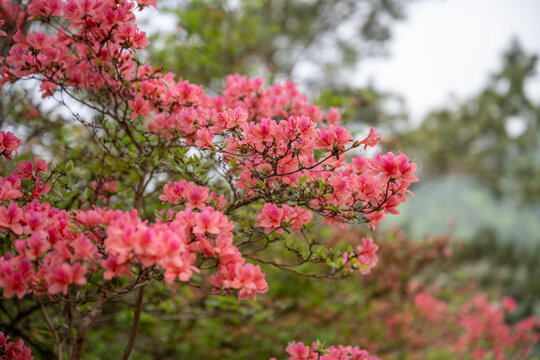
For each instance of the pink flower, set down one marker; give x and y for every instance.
(371, 140)
(13, 274)
(25, 170)
(298, 351)
(110, 187)
(249, 280)
(14, 350)
(229, 118)
(113, 268)
(10, 188)
(342, 136)
(144, 3)
(196, 196)
(39, 190)
(509, 304)
(325, 138)
(41, 165)
(84, 249)
(207, 221)
(11, 217)
(9, 143)
(61, 277)
(394, 167)
(333, 116)
(34, 246)
(299, 218)
(367, 254)
(270, 218)
(139, 107)
(45, 8)
(261, 132)
(204, 138)
(175, 193)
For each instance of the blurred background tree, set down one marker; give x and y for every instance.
(489, 141)
(277, 39)
(493, 136)
(317, 43)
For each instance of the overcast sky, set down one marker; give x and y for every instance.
(449, 47)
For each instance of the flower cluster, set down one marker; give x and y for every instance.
(483, 331)
(11, 187)
(59, 58)
(13, 350)
(9, 144)
(366, 255)
(54, 249)
(192, 196)
(278, 142)
(299, 351)
(486, 334)
(272, 217)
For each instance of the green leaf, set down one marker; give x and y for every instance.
(70, 194)
(69, 166)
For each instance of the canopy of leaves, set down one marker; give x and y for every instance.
(274, 38)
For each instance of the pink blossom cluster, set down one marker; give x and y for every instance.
(274, 139)
(274, 218)
(365, 258)
(53, 249)
(483, 331)
(12, 15)
(487, 335)
(50, 254)
(299, 351)
(192, 196)
(282, 152)
(174, 246)
(9, 144)
(66, 59)
(429, 306)
(274, 136)
(13, 350)
(11, 187)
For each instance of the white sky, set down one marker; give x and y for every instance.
(449, 47)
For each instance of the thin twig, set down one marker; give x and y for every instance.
(54, 333)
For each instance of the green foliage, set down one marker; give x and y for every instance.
(364, 106)
(273, 38)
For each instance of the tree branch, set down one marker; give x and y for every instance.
(54, 333)
(135, 326)
(83, 327)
